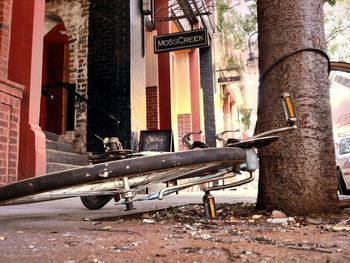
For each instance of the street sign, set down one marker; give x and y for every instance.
(229, 79)
(181, 40)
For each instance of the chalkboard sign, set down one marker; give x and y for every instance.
(157, 140)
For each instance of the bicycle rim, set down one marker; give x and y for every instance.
(104, 178)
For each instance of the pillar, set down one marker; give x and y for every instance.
(25, 68)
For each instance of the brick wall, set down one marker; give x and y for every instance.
(152, 101)
(75, 16)
(109, 72)
(5, 20)
(184, 126)
(10, 101)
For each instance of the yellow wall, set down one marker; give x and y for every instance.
(180, 89)
(151, 61)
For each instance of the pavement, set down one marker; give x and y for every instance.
(72, 208)
(64, 230)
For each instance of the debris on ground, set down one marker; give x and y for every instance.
(244, 213)
(182, 234)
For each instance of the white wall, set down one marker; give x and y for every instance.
(137, 74)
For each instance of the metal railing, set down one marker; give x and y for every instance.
(78, 97)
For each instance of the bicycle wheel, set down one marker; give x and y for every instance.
(70, 182)
(95, 202)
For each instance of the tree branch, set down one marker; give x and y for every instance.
(336, 31)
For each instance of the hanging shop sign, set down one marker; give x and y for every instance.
(229, 79)
(182, 40)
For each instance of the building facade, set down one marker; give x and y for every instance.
(86, 69)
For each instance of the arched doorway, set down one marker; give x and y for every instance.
(57, 100)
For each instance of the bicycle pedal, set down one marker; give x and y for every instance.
(209, 206)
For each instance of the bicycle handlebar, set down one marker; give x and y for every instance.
(220, 136)
(186, 141)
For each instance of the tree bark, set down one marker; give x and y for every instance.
(297, 173)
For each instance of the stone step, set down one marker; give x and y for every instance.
(65, 157)
(55, 167)
(59, 146)
(51, 136)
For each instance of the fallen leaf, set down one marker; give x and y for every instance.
(233, 220)
(205, 236)
(313, 221)
(190, 227)
(146, 216)
(291, 221)
(256, 217)
(106, 228)
(341, 228)
(278, 214)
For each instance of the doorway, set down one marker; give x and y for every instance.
(57, 100)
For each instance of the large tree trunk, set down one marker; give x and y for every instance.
(297, 173)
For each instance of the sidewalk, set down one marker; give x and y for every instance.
(64, 231)
(74, 207)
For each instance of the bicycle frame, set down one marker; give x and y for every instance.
(135, 172)
(251, 162)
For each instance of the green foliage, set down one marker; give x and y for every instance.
(250, 21)
(234, 28)
(245, 115)
(233, 65)
(337, 30)
(330, 2)
(221, 9)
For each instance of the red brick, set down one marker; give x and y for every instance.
(13, 172)
(152, 105)
(12, 164)
(9, 145)
(12, 179)
(184, 125)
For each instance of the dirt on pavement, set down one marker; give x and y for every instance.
(181, 234)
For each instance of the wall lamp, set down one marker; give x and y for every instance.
(251, 55)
